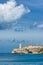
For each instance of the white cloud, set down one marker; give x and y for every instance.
(40, 26)
(9, 11)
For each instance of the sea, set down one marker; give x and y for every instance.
(21, 59)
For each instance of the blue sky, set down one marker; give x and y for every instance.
(20, 21)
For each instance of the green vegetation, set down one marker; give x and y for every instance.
(28, 51)
(40, 50)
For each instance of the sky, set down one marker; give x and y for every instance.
(21, 21)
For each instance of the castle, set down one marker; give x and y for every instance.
(27, 49)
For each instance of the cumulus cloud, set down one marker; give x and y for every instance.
(10, 11)
(40, 26)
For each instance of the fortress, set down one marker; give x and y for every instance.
(28, 49)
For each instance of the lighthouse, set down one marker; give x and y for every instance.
(20, 46)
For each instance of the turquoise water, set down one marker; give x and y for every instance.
(21, 59)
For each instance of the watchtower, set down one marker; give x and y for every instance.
(20, 46)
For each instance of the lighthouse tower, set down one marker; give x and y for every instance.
(20, 46)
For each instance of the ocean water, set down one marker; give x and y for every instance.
(21, 59)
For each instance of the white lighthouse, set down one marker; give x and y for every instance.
(20, 46)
